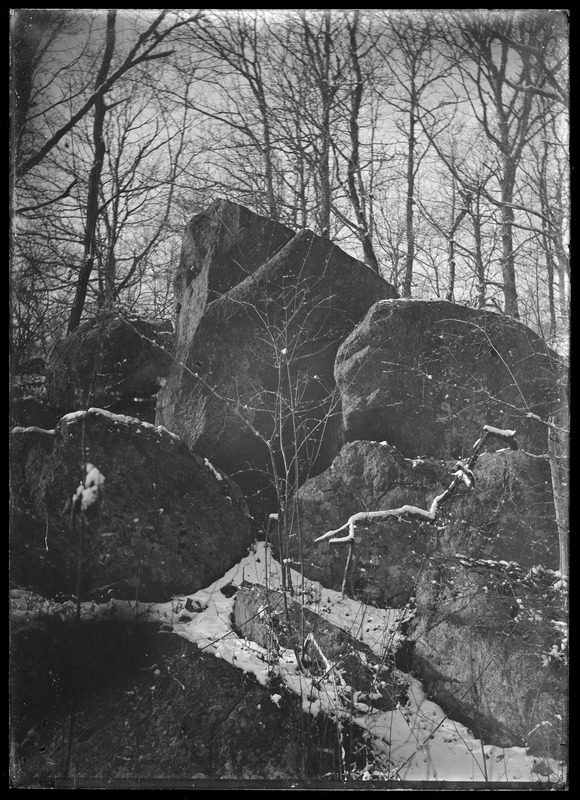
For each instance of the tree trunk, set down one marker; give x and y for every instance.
(325, 133)
(547, 247)
(100, 110)
(325, 181)
(547, 244)
(507, 242)
(268, 160)
(456, 222)
(478, 255)
(558, 448)
(562, 265)
(354, 169)
(409, 217)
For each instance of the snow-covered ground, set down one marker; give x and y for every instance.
(418, 741)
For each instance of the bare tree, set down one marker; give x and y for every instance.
(121, 162)
(325, 67)
(33, 34)
(145, 49)
(236, 43)
(100, 110)
(415, 68)
(497, 86)
(548, 180)
(355, 180)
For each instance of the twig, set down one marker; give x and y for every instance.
(346, 566)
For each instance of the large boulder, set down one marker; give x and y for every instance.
(508, 515)
(259, 368)
(221, 246)
(489, 643)
(426, 375)
(170, 522)
(114, 362)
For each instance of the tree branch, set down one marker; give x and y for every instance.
(150, 38)
(61, 196)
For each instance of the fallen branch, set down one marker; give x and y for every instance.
(463, 474)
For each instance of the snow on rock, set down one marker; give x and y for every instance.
(211, 468)
(33, 429)
(422, 743)
(123, 419)
(88, 493)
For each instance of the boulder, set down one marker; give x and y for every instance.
(489, 643)
(170, 522)
(427, 375)
(31, 411)
(508, 515)
(221, 246)
(259, 368)
(114, 362)
(152, 711)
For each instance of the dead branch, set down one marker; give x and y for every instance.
(463, 474)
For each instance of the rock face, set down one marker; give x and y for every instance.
(221, 246)
(488, 647)
(152, 706)
(169, 523)
(508, 515)
(426, 375)
(272, 337)
(480, 579)
(114, 363)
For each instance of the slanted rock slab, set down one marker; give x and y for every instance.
(279, 327)
(221, 247)
(265, 617)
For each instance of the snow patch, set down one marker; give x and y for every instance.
(88, 493)
(211, 467)
(119, 419)
(33, 429)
